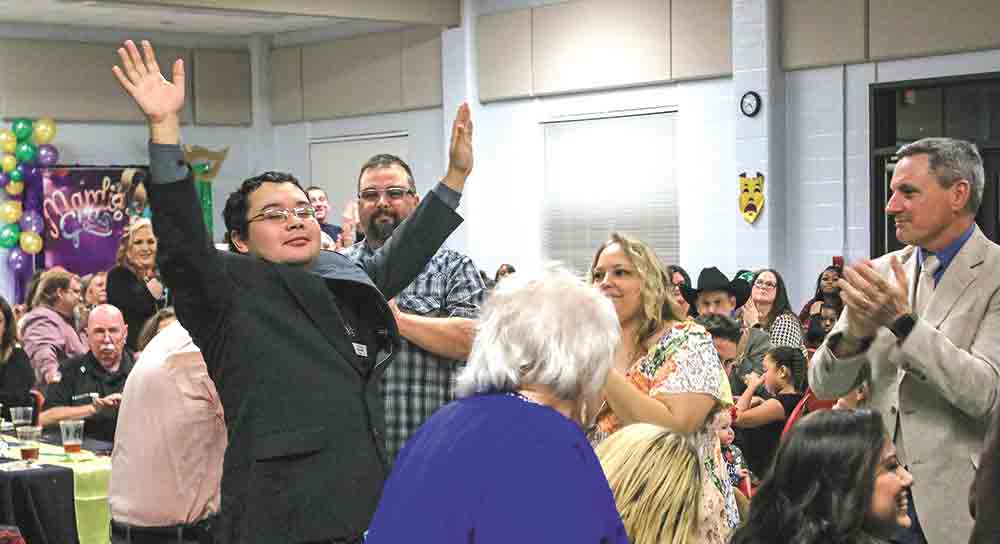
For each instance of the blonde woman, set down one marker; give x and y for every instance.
(134, 286)
(666, 371)
(655, 476)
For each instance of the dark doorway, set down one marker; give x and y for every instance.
(966, 107)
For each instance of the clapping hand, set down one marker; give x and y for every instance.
(871, 300)
(155, 288)
(753, 380)
(751, 316)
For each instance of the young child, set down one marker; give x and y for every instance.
(763, 420)
(736, 466)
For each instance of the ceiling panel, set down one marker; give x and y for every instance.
(145, 17)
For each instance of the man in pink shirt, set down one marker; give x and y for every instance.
(167, 463)
(48, 330)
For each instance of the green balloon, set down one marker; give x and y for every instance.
(9, 235)
(22, 129)
(25, 151)
(15, 175)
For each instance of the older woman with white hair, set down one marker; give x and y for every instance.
(508, 461)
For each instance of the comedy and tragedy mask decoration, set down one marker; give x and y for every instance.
(751, 196)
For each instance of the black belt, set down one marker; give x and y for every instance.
(199, 532)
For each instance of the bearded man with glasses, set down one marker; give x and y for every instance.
(296, 340)
(435, 313)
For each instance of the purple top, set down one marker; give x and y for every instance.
(497, 468)
(49, 338)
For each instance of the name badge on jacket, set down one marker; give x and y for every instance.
(360, 349)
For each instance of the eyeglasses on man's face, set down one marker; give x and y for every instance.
(281, 215)
(392, 194)
(765, 285)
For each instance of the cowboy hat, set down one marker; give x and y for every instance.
(712, 279)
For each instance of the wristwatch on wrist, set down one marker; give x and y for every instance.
(902, 326)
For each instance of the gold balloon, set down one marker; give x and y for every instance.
(44, 131)
(10, 211)
(8, 162)
(31, 242)
(8, 141)
(15, 188)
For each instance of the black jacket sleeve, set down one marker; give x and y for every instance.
(412, 245)
(189, 262)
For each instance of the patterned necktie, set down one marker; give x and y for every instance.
(925, 287)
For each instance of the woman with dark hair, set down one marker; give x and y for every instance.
(504, 271)
(134, 285)
(160, 320)
(769, 309)
(16, 374)
(835, 480)
(826, 288)
(676, 277)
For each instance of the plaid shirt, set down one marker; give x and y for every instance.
(418, 382)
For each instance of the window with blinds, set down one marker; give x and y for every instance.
(607, 175)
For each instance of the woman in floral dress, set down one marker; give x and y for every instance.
(666, 372)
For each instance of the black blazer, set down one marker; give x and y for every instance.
(306, 459)
(16, 379)
(130, 295)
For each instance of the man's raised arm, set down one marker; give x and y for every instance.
(190, 264)
(417, 239)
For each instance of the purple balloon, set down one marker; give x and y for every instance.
(29, 173)
(47, 155)
(4, 179)
(32, 196)
(32, 221)
(17, 260)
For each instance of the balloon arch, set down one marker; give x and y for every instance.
(27, 149)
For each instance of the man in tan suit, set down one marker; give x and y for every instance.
(926, 321)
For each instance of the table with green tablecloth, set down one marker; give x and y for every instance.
(91, 478)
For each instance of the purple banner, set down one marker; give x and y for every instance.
(85, 212)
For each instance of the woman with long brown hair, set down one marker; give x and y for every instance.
(134, 285)
(16, 374)
(666, 371)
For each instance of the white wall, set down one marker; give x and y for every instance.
(504, 200)
(502, 204)
(426, 147)
(422, 126)
(102, 144)
(828, 155)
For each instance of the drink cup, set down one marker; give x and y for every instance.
(21, 415)
(72, 435)
(29, 437)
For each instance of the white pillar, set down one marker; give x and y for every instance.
(759, 140)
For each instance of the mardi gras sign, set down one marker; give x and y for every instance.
(751, 196)
(85, 212)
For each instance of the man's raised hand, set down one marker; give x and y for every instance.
(160, 100)
(460, 149)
